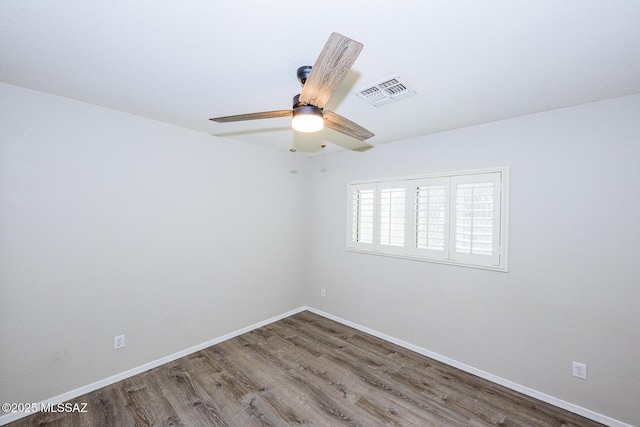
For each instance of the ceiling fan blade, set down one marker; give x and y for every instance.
(345, 126)
(253, 116)
(330, 69)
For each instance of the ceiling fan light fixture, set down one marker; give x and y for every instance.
(307, 118)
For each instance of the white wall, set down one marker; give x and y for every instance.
(573, 288)
(114, 224)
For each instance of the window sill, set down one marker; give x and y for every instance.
(502, 269)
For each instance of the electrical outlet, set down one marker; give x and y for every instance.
(323, 293)
(118, 342)
(580, 370)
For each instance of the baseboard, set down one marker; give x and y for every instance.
(13, 416)
(482, 374)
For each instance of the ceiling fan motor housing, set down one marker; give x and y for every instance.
(307, 110)
(303, 73)
(298, 104)
(300, 108)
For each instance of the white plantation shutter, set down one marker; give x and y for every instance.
(392, 216)
(476, 213)
(474, 218)
(430, 217)
(363, 216)
(450, 218)
(362, 202)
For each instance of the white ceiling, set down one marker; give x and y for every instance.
(470, 62)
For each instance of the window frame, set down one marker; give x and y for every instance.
(497, 261)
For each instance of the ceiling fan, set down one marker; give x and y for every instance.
(318, 84)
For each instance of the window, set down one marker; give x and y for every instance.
(458, 218)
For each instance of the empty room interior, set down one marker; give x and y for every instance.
(470, 204)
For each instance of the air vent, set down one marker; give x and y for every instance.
(385, 91)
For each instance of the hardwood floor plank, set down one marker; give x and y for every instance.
(320, 395)
(259, 386)
(367, 382)
(307, 370)
(336, 381)
(285, 401)
(193, 405)
(373, 375)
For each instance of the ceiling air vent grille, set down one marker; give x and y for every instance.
(385, 91)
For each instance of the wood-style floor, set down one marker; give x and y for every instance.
(307, 370)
